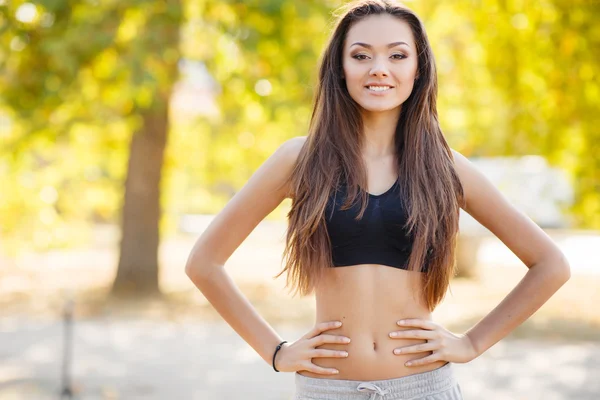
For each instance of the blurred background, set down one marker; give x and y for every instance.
(126, 125)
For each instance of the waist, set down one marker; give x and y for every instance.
(369, 300)
(438, 380)
(371, 356)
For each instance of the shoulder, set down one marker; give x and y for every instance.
(460, 161)
(281, 164)
(263, 192)
(477, 188)
(492, 209)
(290, 149)
(285, 157)
(467, 172)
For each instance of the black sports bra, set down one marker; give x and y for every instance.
(378, 238)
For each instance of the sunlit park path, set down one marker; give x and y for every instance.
(179, 349)
(137, 358)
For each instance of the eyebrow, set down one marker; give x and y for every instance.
(368, 46)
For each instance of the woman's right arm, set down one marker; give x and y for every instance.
(264, 191)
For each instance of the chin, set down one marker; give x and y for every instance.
(379, 108)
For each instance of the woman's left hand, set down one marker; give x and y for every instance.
(445, 345)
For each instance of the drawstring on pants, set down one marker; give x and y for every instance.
(369, 387)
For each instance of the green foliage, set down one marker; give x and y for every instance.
(75, 78)
(542, 64)
(514, 78)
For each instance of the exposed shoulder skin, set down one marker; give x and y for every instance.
(263, 192)
(490, 207)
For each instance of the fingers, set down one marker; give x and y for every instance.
(420, 323)
(423, 361)
(322, 327)
(328, 353)
(414, 334)
(320, 370)
(419, 348)
(323, 339)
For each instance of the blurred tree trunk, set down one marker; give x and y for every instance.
(138, 261)
(137, 273)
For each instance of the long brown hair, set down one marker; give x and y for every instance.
(332, 153)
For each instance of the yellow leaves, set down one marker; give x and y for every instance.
(456, 118)
(263, 24)
(568, 43)
(228, 57)
(52, 83)
(221, 11)
(246, 139)
(134, 20)
(47, 216)
(144, 95)
(590, 207)
(586, 72)
(90, 90)
(520, 21)
(268, 48)
(573, 139)
(236, 86)
(536, 82)
(48, 194)
(170, 55)
(592, 93)
(105, 64)
(288, 10)
(254, 112)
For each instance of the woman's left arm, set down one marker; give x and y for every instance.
(548, 267)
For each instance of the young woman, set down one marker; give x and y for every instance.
(376, 192)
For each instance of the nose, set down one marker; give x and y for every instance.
(379, 69)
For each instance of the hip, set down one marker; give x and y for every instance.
(371, 351)
(436, 384)
(364, 362)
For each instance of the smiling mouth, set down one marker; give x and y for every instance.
(379, 88)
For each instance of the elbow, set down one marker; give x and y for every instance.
(191, 270)
(563, 268)
(197, 269)
(556, 268)
(566, 271)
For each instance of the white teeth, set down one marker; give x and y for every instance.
(379, 88)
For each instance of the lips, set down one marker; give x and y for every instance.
(379, 88)
(380, 84)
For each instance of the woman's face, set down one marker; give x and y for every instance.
(380, 62)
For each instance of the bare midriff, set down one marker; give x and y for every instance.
(369, 300)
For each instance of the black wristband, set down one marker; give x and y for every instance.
(274, 354)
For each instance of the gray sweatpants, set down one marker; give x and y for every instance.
(439, 384)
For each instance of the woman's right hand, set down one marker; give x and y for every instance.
(297, 356)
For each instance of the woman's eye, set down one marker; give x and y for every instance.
(394, 56)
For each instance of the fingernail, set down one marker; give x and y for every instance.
(338, 324)
(393, 334)
(345, 354)
(401, 322)
(336, 372)
(397, 351)
(408, 364)
(347, 340)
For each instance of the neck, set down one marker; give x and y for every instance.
(379, 130)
